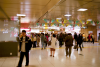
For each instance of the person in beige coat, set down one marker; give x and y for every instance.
(53, 44)
(38, 40)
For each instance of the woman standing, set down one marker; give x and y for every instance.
(53, 41)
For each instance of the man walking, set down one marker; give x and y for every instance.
(42, 41)
(25, 46)
(68, 44)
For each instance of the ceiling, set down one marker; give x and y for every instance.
(36, 10)
(71, 7)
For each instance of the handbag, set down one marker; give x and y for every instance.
(75, 46)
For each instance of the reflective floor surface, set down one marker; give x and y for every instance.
(89, 57)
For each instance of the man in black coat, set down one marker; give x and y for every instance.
(79, 41)
(24, 47)
(75, 37)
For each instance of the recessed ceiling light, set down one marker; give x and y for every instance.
(67, 15)
(21, 15)
(58, 18)
(82, 9)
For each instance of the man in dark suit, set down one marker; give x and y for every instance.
(24, 47)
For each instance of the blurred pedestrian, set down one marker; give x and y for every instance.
(93, 38)
(42, 41)
(38, 40)
(75, 37)
(99, 38)
(53, 44)
(79, 41)
(60, 40)
(68, 44)
(25, 46)
(34, 42)
(89, 37)
(47, 39)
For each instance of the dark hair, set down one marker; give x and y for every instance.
(54, 35)
(24, 31)
(69, 34)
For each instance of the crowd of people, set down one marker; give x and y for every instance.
(26, 43)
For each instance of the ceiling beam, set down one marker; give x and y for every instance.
(4, 13)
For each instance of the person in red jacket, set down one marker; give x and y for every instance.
(89, 37)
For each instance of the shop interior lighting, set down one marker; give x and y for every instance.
(21, 15)
(82, 9)
(67, 15)
(58, 18)
(89, 20)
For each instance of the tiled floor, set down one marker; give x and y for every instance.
(89, 57)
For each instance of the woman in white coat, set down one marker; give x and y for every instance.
(53, 42)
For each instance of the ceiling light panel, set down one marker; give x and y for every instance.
(82, 9)
(21, 15)
(67, 15)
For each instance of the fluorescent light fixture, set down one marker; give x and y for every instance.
(67, 15)
(21, 15)
(58, 18)
(89, 20)
(82, 9)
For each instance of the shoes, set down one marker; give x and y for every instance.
(53, 56)
(41, 48)
(26, 65)
(66, 55)
(50, 55)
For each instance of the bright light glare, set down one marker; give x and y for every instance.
(58, 18)
(89, 20)
(35, 30)
(25, 20)
(21, 15)
(82, 9)
(67, 15)
(25, 29)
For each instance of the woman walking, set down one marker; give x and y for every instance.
(53, 41)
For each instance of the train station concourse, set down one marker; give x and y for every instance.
(49, 33)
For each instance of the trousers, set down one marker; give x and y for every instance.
(68, 52)
(79, 46)
(21, 58)
(43, 45)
